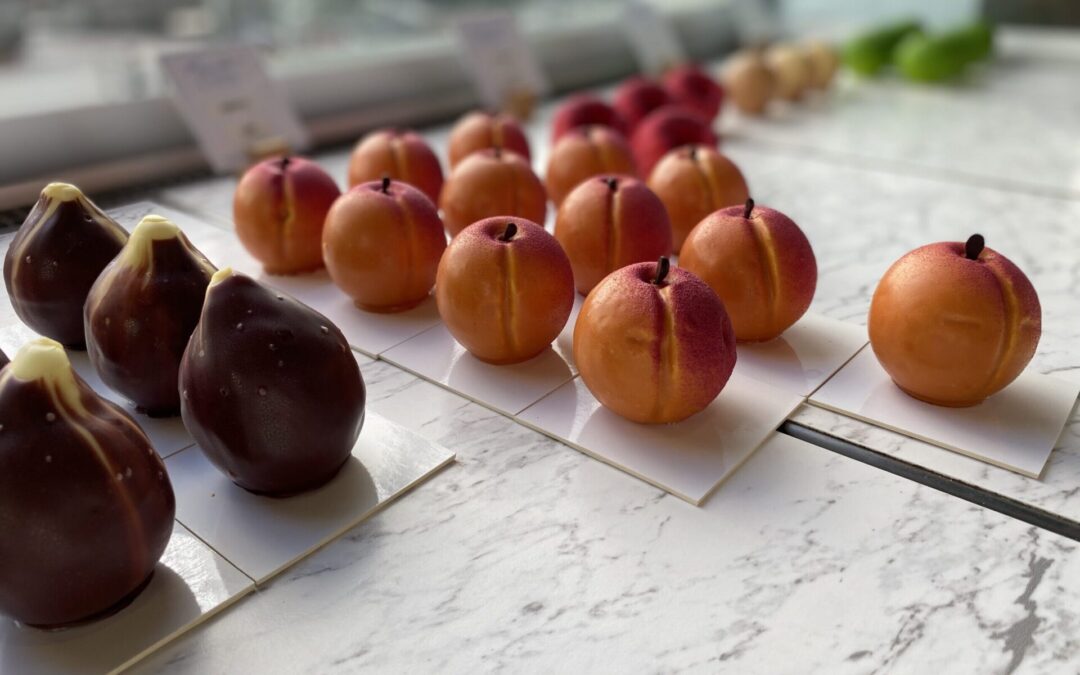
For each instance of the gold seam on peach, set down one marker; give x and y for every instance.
(288, 215)
(1012, 327)
(669, 353)
(612, 230)
(509, 293)
(772, 269)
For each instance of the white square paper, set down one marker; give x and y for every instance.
(262, 536)
(804, 357)
(436, 356)
(689, 459)
(1015, 429)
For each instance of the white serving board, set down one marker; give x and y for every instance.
(262, 536)
(804, 357)
(689, 459)
(1015, 429)
(437, 357)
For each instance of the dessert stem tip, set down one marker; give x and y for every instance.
(386, 184)
(748, 208)
(974, 246)
(612, 183)
(508, 234)
(663, 266)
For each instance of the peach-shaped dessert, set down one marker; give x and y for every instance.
(653, 343)
(693, 181)
(279, 209)
(691, 86)
(54, 259)
(749, 82)
(580, 110)
(666, 129)
(480, 130)
(791, 71)
(585, 152)
(953, 323)
(505, 289)
(823, 61)
(399, 154)
(87, 506)
(610, 222)
(491, 183)
(382, 243)
(638, 96)
(760, 264)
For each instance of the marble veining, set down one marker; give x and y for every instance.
(529, 557)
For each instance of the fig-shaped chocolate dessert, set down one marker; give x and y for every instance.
(141, 312)
(86, 506)
(269, 388)
(54, 259)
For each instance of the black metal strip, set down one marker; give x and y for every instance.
(990, 500)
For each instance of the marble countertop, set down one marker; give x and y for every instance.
(529, 557)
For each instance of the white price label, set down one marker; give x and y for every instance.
(500, 62)
(231, 105)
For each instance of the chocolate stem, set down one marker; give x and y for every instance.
(508, 234)
(385, 184)
(663, 266)
(693, 152)
(612, 183)
(284, 163)
(749, 209)
(497, 151)
(974, 246)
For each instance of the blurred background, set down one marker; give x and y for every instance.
(81, 85)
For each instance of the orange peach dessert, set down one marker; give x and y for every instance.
(760, 264)
(481, 130)
(954, 323)
(279, 209)
(382, 243)
(491, 183)
(653, 343)
(402, 155)
(585, 152)
(693, 181)
(504, 289)
(609, 222)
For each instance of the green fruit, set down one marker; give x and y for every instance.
(868, 53)
(925, 58)
(976, 40)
